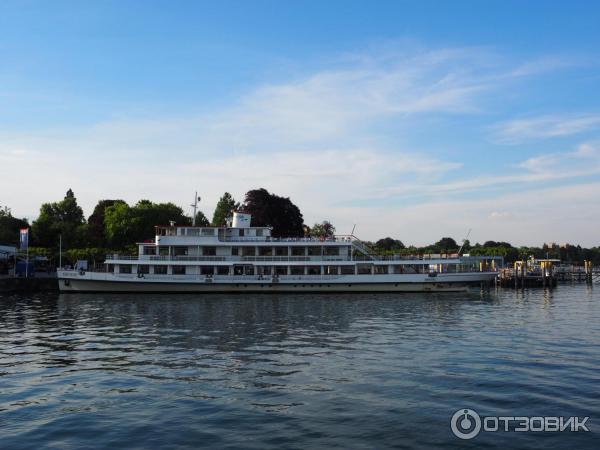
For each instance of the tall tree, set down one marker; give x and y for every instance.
(59, 218)
(446, 244)
(270, 210)
(202, 220)
(9, 227)
(389, 244)
(120, 225)
(96, 229)
(224, 209)
(150, 214)
(125, 225)
(322, 230)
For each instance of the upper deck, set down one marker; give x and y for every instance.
(240, 236)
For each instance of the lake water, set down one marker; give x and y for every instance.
(295, 371)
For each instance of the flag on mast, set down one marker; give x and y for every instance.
(24, 238)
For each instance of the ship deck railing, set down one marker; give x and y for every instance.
(309, 258)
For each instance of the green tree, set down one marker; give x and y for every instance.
(202, 220)
(149, 215)
(10, 226)
(322, 230)
(446, 244)
(120, 225)
(389, 244)
(96, 229)
(270, 210)
(224, 209)
(125, 225)
(60, 218)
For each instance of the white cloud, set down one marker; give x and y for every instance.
(543, 214)
(500, 215)
(544, 127)
(322, 139)
(547, 168)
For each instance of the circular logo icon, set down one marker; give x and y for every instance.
(465, 424)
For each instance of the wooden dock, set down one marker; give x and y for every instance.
(10, 284)
(546, 274)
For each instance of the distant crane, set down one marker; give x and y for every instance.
(464, 241)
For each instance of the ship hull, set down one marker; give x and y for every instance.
(98, 282)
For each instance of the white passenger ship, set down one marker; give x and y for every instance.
(242, 258)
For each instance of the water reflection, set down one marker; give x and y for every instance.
(280, 369)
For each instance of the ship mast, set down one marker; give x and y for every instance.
(195, 206)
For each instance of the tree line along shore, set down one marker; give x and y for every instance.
(115, 226)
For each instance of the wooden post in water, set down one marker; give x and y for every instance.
(543, 267)
(585, 269)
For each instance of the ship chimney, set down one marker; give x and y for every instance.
(241, 220)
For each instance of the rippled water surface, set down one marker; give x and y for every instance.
(295, 371)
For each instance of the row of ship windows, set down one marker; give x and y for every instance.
(194, 232)
(244, 251)
(274, 270)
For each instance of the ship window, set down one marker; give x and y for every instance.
(263, 270)
(398, 269)
(235, 251)
(125, 268)
(248, 251)
(314, 270)
(281, 251)
(331, 270)
(160, 270)
(178, 270)
(259, 232)
(265, 251)
(193, 232)
(281, 270)
(241, 233)
(347, 270)
(209, 251)
(180, 251)
(207, 270)
(110, 268)
(297, 270)
(381, 270)
(149, 250)
(314, 251)
(143, 269)
(332, 251)
(163, 251)
(364, 269)
(222, 270)
(298, 251)
(208, 232)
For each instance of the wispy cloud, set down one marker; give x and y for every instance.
(547, 64)
(544, 127)
(330, 140)
(584, 161)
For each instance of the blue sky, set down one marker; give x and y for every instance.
(410, 119)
